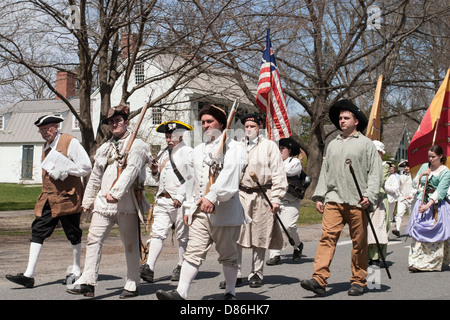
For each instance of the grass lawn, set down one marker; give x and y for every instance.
(18, 196)
(23, 197)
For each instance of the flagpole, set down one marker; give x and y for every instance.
(374, 119)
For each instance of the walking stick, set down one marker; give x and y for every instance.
(255, 179)
(349, 162)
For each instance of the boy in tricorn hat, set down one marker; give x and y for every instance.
(171, 171)
(338, 200)
(60, 200)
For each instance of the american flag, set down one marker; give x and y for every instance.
(269, 86)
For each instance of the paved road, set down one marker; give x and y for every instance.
(280, 282)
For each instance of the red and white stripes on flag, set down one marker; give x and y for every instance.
(270, 95)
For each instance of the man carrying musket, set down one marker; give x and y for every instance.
(113, 200)
(264, 159)
(337, 197)
(214, 214)
(171, 171)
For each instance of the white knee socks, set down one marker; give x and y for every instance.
(76, 251)
(187, 274)
(35, 250)
(230, 274)
(154, 251)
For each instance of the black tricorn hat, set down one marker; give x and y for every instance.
(172, 125)
(252, 117)
(121, 110)
(347, 105)
(48, 119)
(290, 144)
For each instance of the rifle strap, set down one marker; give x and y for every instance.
(175, 170)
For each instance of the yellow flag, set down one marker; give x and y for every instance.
(374, 127)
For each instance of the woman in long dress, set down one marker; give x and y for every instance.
(429, 225)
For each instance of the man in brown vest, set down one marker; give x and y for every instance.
(60, 200)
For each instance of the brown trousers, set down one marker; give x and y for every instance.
(335, 217)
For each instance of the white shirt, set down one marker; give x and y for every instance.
(224, 192)
(80, 165)
(292, 166)
(168, 181)
(406, 188)
(391, 187)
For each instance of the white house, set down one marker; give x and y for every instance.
(21, 144)
(183, 104)
(20, 141)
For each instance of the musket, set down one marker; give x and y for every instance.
(123, 163)
(214, 164)
(255, 179)
(349, 162)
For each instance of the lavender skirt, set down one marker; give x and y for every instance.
(424, 228)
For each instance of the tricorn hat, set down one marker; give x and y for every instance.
(252, 117)
(172, 125)
(290, 144)
(48, 119)
(121, 110)
(347, 105)
(218, 113)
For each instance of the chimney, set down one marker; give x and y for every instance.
(66, 83)
(128, 45)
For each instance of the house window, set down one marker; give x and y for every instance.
(156, 115)
(2, 120)
(27, 162)
(139, 72)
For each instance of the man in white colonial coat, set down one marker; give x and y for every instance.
(213, 211)
(171, 171)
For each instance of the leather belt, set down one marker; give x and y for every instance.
(254, 189)
(164, 195)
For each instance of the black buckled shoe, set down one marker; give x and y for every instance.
(255, 281)
(314, 286)
(128, 294)
(176, 274)
(146, 273)
(21, 279)
(297, 255)
(168, 295)
(274, 261)
(83, 289)
(355, 290)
